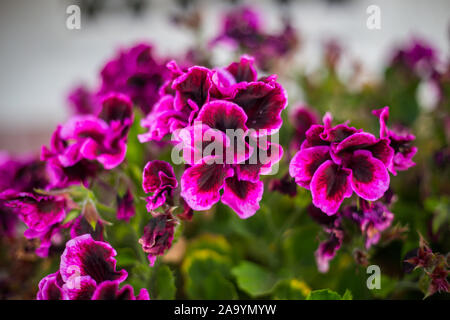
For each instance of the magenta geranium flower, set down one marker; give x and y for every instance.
(42, 215)
(158, 178)
(158, 236)
(84, 139)
(81, 226)
(109, 290)
(327, 250)
(17, 175)
(82, 101)
(137, 73)
(335, 161)
(87, 271)
(225, 118)
(242, 29)
(400, 141)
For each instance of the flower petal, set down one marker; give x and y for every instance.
(305, 162)
(242, 196)
(158, 174)
(370, 178)
(263, 103)
(243, 70)
(193, 85)
(79, 288)
(84, 256)
(329, 186)
(201, 183)
(223, 115)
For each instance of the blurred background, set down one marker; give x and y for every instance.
(41, 60)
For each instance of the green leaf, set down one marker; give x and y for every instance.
(253, 279)
(164, 283)
(71, 215)
(347, 295)
(327, 294)
(207, 274)
(291, 289)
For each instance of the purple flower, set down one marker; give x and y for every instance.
(22, 174)
(89, 258)
(109, 290)
(83, 101)
(158, 236)
(136, 73)
(327, 249)
(42, 215)
(399, 141)
(83, 139)
(285, 185)
(334, 162)
(206, 105)
(372, 218)
(8, 221)
(81, 226)
(242, 29)
(50, 287)
(87, 271)
(125, 206)
(418, 54)
(17, 175)
(63, 174)
(301, 118)
(158, 177)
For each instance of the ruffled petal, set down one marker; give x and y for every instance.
(84, 256)
(50, 288)
(329, 186)
(305, 163)
(313, 138)
(242, 196)
(158, 174)
(243, 70)
(223, 115)
(194, 86)
(201, 183)
(338, 133)
(116, 107)
(79, 287)
(370, 178)
(263, 103)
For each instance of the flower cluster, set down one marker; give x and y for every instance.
(242, 29)
(17, 175)
(42, 214)
(229, 113)
(87, 272)
(134, 72)
(335, 161)
(372, 218)
(79, 146)
(417, 56)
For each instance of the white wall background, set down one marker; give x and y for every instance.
(40, 60)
